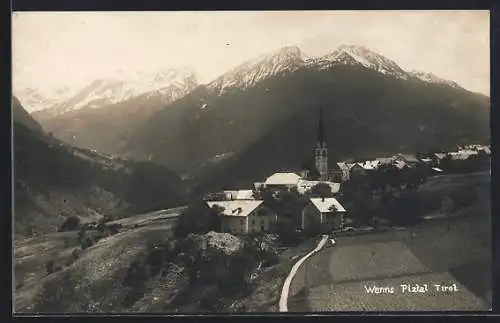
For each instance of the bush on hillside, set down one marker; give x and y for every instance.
(198, 218)
(287, 232)
(73, 257)
(71, 223)
(51, 267)
(87, 242)
(81, 234)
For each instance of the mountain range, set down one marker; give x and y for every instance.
(262, 115)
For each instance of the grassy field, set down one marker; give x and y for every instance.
(267, 292)
(458, 249)
(94, 273)
(149, 218)
(449, 182)
(352, 296)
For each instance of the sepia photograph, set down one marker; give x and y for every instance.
(194, 162)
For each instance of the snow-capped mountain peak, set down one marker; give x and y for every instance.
(431, 78)
(34, 99)
(360, 56)
(286, 59)
(121, 86)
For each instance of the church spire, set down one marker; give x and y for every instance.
(321, 135)
(321, 152)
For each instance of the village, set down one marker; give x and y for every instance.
(326, 199)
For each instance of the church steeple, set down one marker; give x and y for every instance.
(321, 134)
(321, 153)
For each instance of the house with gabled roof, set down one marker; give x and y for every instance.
(284, 181)
(409, 159)
(244, 216)
(346, 170)
(385, 161)
(324, 211)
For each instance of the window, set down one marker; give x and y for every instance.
(241, 222)
(253, 222)
(262, 228)
(262, 222)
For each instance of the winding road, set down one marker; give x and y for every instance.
(283, 305)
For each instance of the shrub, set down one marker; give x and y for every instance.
(285, 228)
(49, 266)
(101, 225)
(198, 218)
(87, 242)
(71, 223)
(81, 234)
(73, 257)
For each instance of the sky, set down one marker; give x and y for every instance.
(56, 49)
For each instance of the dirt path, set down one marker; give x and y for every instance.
(283, 305)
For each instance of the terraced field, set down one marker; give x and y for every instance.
(352, 296)
(100, 265)
(444, 251)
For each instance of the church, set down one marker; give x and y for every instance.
(320, 171)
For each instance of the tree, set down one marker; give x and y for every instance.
(71, 223)
(415, 176)
(377, 178)
(362, 208)
(446, 164)
(321, 190)
(81, 234)
(199, 218)
(407, 208)
(395, 177)
(286, 230)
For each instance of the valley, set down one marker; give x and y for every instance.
(292, 172)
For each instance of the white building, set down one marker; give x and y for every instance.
(282, 181)
(245, 216)
(325, 211)
(239, 195)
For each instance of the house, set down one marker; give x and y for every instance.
(240, 195)
(305, 186)
(400, 165)
(385, 161)
(463, 154)
(258, 185)
(486, 149)
(346, 168)
(245, 216)
(282, 181)
(336, 173)
(410, 160)
(370, 165)
(326, 211)
(437, 158)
